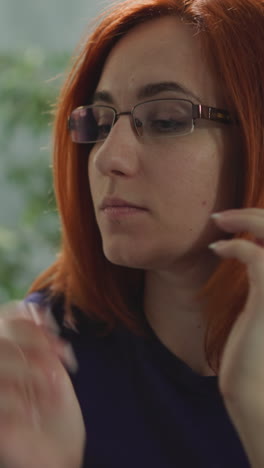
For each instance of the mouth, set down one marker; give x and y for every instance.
(120, 204)
(116, 209)
(118, 213)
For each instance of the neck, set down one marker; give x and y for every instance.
(174, 313)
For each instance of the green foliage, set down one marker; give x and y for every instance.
(29, 226)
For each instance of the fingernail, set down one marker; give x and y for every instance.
(69, 359)
(50, 321)
(31, 311)
(212, 246)
(217, 245)
(216, 215)
(42, 315)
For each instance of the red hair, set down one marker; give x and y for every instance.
(232, 33)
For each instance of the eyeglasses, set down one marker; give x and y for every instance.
(157, 118)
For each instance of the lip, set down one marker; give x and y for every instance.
(109, 202)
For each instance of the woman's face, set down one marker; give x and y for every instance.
(178, 181)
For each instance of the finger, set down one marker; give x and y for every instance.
(12, 360)
(246, 252)
(15, 385)
(14, 408)
(240, 221)
(13, 401)
(31, 371)
(13, 369)
(43, 369)
(35, 374)
(40, 315)
(64, 351)
(34, 364)
(29, 334)
(24, 332)
(247, 211)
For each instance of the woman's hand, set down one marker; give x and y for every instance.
(243, 359)
(40, 419)
(241, 376)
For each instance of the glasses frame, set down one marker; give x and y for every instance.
(199, 112)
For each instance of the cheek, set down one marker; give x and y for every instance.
(92, 176)
(188, 192)
(189, 179)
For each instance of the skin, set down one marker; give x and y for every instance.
(241, 376)
(40, 418)
(181, 181)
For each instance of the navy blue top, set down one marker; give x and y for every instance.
(143, 407)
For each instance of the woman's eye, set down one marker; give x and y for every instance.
(103, 130)
(167, 125)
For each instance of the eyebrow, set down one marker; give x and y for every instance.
(148, 91)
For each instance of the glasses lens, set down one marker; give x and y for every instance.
(164, 118)
(90, 124)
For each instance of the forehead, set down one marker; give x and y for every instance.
(159, 50)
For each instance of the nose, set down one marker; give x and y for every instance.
(119, 153)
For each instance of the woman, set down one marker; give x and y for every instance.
(161, 158)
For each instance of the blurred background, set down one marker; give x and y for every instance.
(37, 40)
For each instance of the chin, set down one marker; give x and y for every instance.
(126, 260)
(142, 259)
